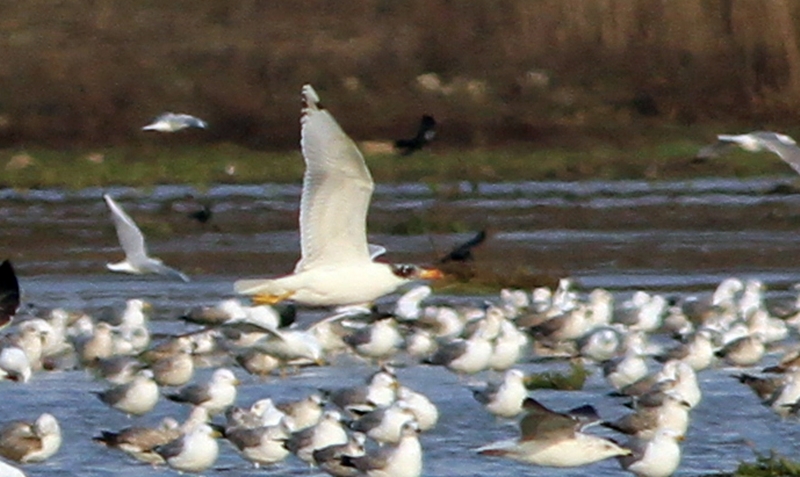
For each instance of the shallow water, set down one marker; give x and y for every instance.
(679, 237)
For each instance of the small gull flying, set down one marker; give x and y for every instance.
(132, 241)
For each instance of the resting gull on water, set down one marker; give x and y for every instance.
(23, 441)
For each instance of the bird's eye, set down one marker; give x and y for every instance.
(404, 271)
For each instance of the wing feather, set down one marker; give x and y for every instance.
(130, 237)
(337, 188)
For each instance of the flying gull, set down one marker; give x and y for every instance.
(781, 144)
(336, 268)
(554, 439)
(132, 241)
(171, 122)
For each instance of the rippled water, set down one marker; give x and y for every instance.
(677, 237)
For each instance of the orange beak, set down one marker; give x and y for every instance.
(431, 274)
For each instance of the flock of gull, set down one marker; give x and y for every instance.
(651, 351)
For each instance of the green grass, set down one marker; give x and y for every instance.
(572, 380)
(771, 465)
(671, 157)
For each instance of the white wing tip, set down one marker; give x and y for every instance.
(310, 97)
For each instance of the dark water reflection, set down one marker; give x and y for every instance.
(674, 236)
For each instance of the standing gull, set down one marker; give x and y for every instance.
(403, 459)
(781, 144)
(214, 396)
(132, 241)
(171, 122)
(336, 267)
(137, 397)
(140, 442)
(195, 451)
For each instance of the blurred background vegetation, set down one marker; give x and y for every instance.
(554, 73)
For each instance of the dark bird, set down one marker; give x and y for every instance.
(463, 252)
(425, 134)
(9, 293)
(201, 215)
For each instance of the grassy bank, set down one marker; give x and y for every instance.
(663, 155)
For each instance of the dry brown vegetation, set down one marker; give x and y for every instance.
(77, 72)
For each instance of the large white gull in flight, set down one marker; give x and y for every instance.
(335, 268)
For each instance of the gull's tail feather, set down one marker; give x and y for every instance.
(259, 286)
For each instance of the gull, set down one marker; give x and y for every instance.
(14, 364)
(380, 340)
(8, 470)
(655, 457)
(466, 356)
(214, 396)
(261, 445)
(116, 369)
(139, 442)
(745, 351)
(132, 241)
(174, 370)
(9, 293)
(171, 122)
(407, 307)
(384, 425)
(425, 411)
(261, 413)
(672, 413)
(380, 391)
(23, 441)
(336, 267)
(136, 397)
(291, 346)
(781, 144)
(504, 399)
(303, 413)
(403, 459)
(328, 431)
(553, 439)
(195, 451)
(258, 362)
(330, 458)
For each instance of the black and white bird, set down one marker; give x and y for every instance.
(425, 134)
(171, 122)
(782, 145)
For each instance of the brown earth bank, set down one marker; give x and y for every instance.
(78, 72)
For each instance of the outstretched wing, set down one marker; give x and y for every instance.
(130, 237)
(782, 145)
(337, 187)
